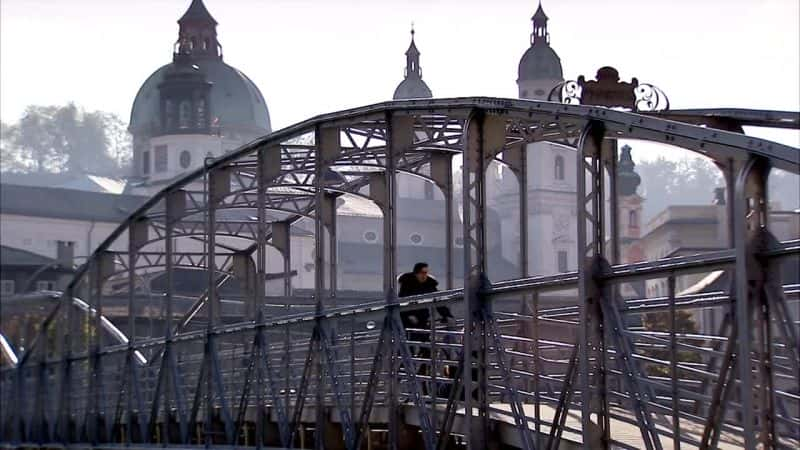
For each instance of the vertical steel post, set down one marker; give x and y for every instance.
(399, 135)
(750, 220)
(442, 175)
(673, 364)
(327, 147)
(591, 240)
(522, 175)
(483, 135)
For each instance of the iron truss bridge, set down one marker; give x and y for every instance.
(545, 362)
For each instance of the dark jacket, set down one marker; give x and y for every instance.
(409, 285)
(419, 318)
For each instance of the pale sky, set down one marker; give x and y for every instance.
(311, 57)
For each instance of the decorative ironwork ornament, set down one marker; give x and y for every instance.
(607, 90)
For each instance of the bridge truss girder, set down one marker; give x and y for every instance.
(217, 371)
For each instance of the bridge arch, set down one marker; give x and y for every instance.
(269, 367)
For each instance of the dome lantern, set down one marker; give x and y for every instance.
(412, 85)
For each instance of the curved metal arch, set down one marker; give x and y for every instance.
(622, 124)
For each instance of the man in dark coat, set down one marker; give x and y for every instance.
(420, 282)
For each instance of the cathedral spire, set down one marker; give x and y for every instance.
(197, 36)
(539, 20)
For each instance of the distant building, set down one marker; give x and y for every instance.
(551, 172)
(195, 107)
(683, 230)
(412, 85)
(23, 271)
(36, 219)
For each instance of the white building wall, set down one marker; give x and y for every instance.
(39, 234)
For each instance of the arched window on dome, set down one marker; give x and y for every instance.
(169, 115)
(194, 43)
(206, 44)
(185, 115)
(559, 167)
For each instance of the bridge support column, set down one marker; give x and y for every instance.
(590, 252)
(484, 135)
(753, 311)
(442, 175)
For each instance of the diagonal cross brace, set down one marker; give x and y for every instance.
(516, 405)
(629, 373)
(344, 414)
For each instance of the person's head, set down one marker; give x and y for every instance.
(421, 271)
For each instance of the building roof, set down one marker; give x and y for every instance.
(412, 87)
(68, 180)
(197, 12)
(540, 62)
(234, 100)
(59, 203)
(11, 256)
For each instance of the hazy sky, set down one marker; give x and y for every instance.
(311, 57)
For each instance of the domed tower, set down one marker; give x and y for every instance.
(630, 208)
(194, 107)
(412, 85)
(540, 67)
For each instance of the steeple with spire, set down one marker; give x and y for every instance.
(412, 85)
(540, 67)
(540, 34)
(412, 58)
(197, 35)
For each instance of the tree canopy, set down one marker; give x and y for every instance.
(66, 138)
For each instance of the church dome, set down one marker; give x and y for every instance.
(412, 85)
(197, 93)
(412, 88)
(540, 62)
(234, 100)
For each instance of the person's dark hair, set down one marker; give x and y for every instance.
(419, 266)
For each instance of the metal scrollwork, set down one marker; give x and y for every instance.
(567, 92)
(650, 98)
(607, 90)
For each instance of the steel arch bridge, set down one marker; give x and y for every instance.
(254, 370)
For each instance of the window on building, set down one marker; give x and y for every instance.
(45, 285)
(169, 114)
(185, 159)
(428, 191)
(562, 261)
(201, 113)
(145, 162)
(633, 219)
(160, 158)
(559, 168)
(185, 114)
(7, 287)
